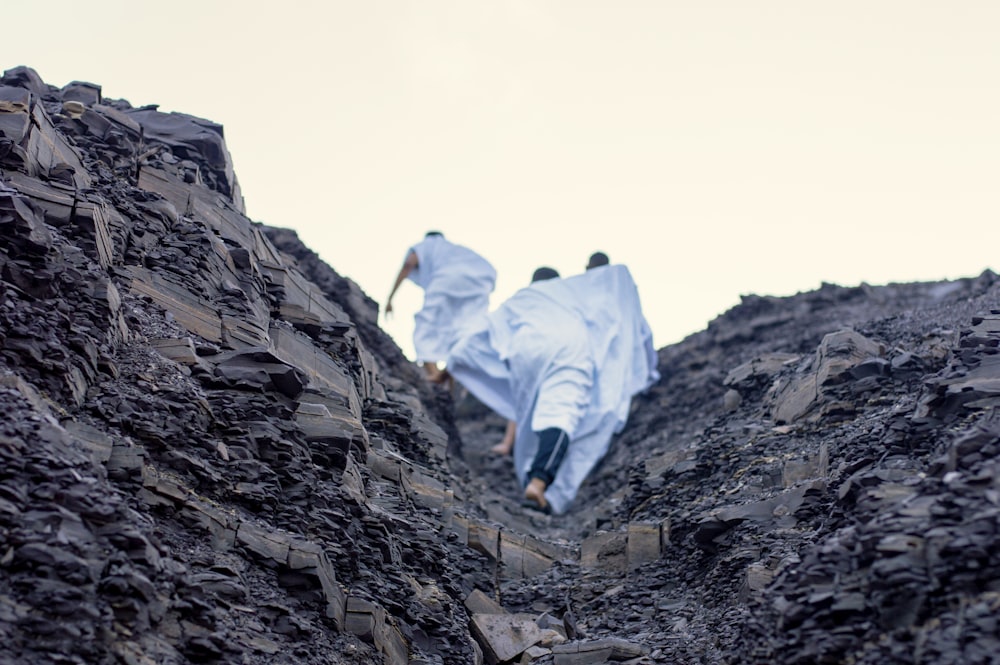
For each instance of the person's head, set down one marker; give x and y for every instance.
(544, 273)
(597, 259)
(432, 234)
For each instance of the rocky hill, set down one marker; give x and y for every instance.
(211, 453)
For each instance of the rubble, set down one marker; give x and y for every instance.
(211, 453)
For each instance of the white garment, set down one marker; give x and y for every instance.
(527, 364)
(457, 283)
(545, 345)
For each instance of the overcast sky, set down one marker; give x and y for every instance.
(718, 148)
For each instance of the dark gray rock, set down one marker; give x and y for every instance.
(210, 452)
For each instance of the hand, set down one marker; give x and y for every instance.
(388, 309)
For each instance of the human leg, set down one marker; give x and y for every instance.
(507, 444)
(552, 446)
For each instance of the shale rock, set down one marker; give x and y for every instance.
(211, 453)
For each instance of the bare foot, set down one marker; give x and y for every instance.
(502, 448)
(433, 373)
(442, 377)
(535, 492)
(507, 444)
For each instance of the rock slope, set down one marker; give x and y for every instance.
(211, 453)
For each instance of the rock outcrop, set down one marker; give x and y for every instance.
(211, 453)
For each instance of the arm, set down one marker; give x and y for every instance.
(409, 265)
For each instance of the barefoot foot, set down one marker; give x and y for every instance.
(503, 448)
(535, 492)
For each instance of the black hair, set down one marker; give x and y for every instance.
(433, 233)
(544, 273)
(598, 259)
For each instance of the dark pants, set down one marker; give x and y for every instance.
(552, 446)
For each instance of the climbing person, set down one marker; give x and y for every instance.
(537, 350)
(510, 431)
(562, 358)
(457, 283)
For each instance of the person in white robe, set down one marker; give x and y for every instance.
(506, 445)
(457, 283)
(564, 354)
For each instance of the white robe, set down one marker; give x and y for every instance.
(526, 363)
(457, 283)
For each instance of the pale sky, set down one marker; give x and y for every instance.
(717, 148)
